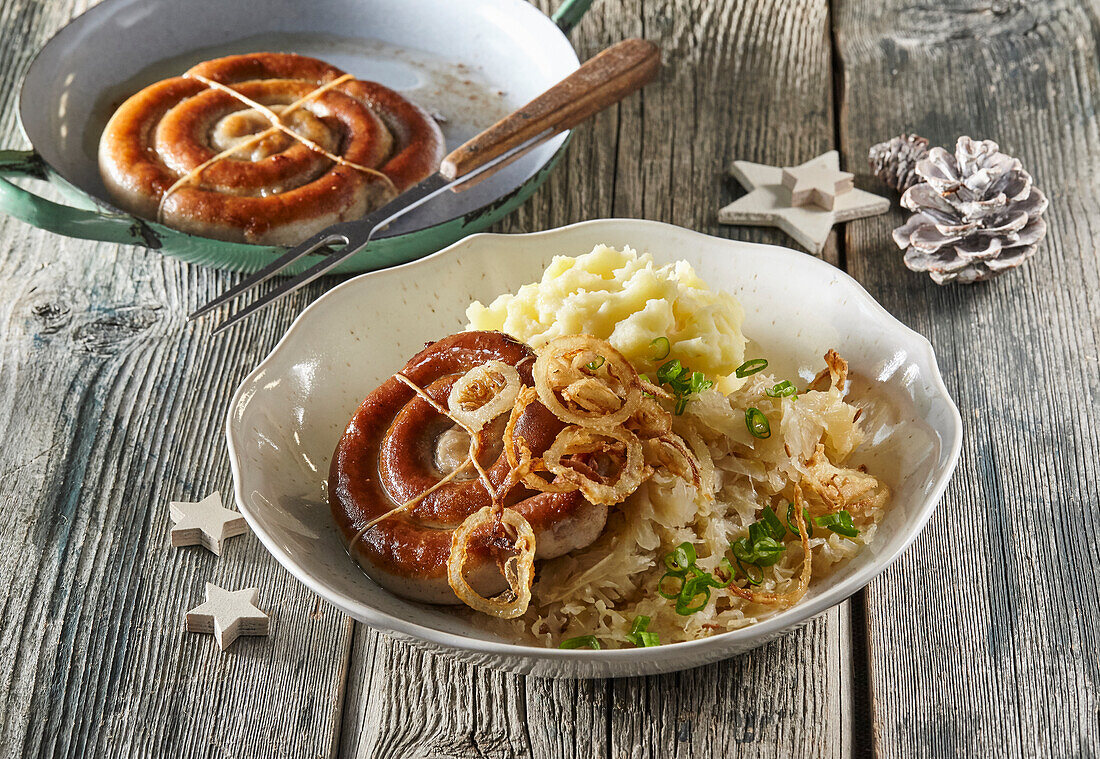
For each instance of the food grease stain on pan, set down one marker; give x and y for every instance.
(461, 97)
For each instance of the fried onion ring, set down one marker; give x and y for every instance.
(483, 393)
(586, 382)
(835, 373)
(576, 456)
(518, 570)
(519, 453)
(671, 452)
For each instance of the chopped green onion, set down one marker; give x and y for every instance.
(693, 588)
(752, 366)
(639, 634)
(693, 582)
(782, 389)
(773, 524)
(805, 517)
(682, 381)
(758, 548)
(671, 595)
(699, 382)
(839, 522)
(757, 423)
(662, 347)
(594, 365)
(749, 577)
(768, 552)
(762, 547)
(581, 641)
(669, 372)
(727, 569)
(681, 559)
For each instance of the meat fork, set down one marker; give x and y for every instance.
(602, 81)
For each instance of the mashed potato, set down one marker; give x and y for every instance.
(622, 297)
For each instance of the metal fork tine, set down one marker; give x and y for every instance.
(290, 285)
(351, 237)
(316, 242)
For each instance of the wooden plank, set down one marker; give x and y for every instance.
(983, 637)
(749, 80)
(113, 406)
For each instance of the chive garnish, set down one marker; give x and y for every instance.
(757, 423)
(727, 569)
(692, 590)
(691, 575)
(684, 582)
(758, 547)
(669, 372)
(596, 364)
(581, 641)
(805, 517)
(752, 366)
(671, 595)
(763, 545)
(698, 383)
(839, 522)
(639, 634)
(773, 524)
(662, 347)
(752, 580)
(681, 559)
(682, 381)
(782, 389)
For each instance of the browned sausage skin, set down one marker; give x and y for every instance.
(386, 457)
(279, 191)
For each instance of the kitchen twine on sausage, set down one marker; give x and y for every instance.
(277, 125)
(471, 458)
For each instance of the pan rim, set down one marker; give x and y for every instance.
(61, 178)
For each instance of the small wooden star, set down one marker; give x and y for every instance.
(206, 523)
(228, 615)
(816, 183)
(769, 202)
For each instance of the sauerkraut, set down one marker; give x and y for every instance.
(602, 589)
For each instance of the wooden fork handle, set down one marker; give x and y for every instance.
(603, 80)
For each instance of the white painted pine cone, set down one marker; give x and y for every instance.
(977, 214)
(895, 161)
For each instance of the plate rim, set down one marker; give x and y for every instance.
(649, 660)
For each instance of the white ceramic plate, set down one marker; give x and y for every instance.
(288, 414)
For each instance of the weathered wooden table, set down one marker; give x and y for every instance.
(982, 640)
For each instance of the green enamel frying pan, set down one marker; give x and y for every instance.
(469, 61)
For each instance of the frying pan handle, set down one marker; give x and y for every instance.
(569, 14)
(600, 82)
(55, 217)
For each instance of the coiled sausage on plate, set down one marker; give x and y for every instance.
(397, 446)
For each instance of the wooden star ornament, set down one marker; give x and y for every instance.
(206, 523)
(804, 201)
(228, 615)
